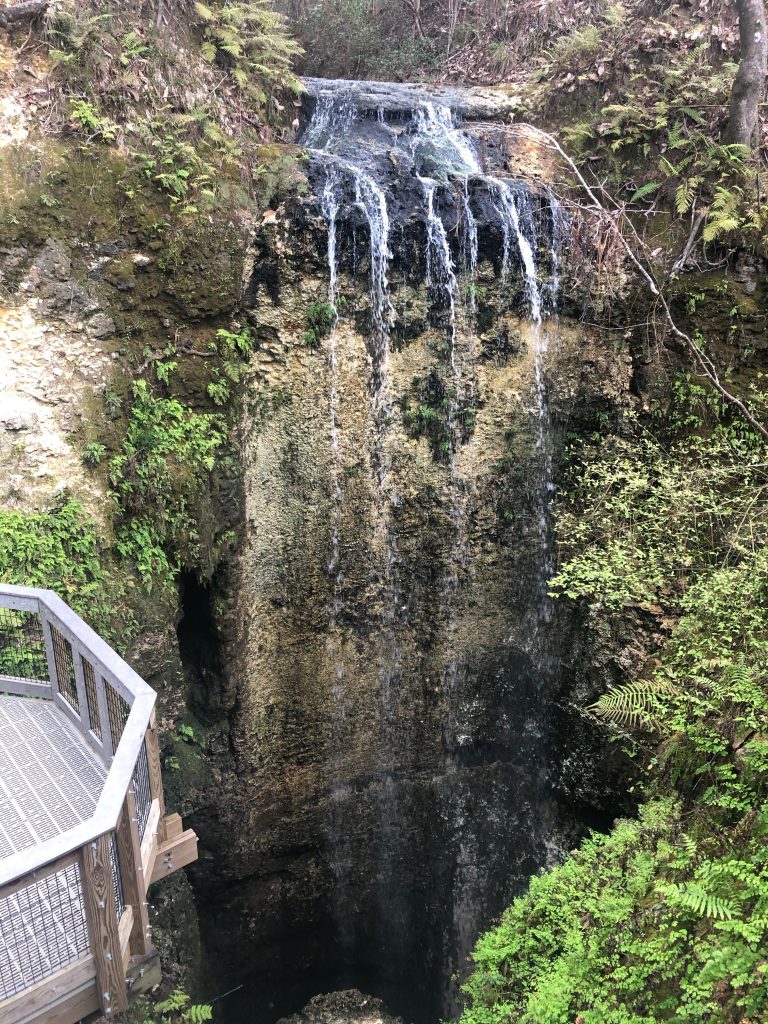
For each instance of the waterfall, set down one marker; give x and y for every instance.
(507, 203)
(461, 209)
(469, 244)
(330, 207)
(441, 276)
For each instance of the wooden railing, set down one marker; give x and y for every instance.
(103, 865)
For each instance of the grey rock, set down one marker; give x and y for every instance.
(101, 326)
(16, 414)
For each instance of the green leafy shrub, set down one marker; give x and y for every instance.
(60, 549)
(179, 1009)
(665, 918)
(250, 40)
(160, 475)
(646, 924)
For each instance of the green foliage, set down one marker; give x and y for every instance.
(636, 530)
(86, 118)
(160, 475)
(93, 454)
(651, 117)
(250, 41)
(639, 926)
(60, 549)
(235, 350)
(360, 38)
(179, 1009)
(665, 918)
(432, 411)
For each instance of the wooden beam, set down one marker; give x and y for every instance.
(132, 871)
(150, 842)
(35, 1003)
(25, 687)
(174, 826)
(125, 928)
(152, 741)
(174, 854)
(99, 900)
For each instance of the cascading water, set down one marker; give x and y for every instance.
(420, 173)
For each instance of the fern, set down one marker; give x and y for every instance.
(632, 705)
(694, 897)
(198, 1014)
(685, 193)
(645, 190)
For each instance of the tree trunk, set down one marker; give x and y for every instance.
(749, 86)
(22, 11)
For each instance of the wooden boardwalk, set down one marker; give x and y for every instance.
(83, 827)
(50, 781)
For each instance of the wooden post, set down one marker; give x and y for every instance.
(134, 884)
(99, 900)
(49, 656)
(152, 743)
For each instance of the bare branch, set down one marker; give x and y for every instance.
(618, 222)
(21, 11)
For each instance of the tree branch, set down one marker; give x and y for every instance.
(21, 11)
(617, 219)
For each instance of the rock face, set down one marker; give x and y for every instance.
(473, 104)
(397, 667)
(350, 1007)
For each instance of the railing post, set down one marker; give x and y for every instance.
(45, 625)
(106, 726)
(152, 743)
(99, 900)
(82, 699)
(132, 872)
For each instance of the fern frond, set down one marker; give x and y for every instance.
(633, 704)
(645, 190)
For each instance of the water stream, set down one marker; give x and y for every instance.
(407, 200)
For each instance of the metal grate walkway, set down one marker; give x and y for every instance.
(49, 782)
(49, 779)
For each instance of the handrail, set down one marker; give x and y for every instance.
(121, 763)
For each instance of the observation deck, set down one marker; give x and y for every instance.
(83, 828)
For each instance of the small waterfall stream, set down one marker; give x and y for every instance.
(444, 195)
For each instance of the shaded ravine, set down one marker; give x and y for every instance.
(434, 139)
(400, 655)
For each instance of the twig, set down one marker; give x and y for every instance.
(617, 219)
(695, 228)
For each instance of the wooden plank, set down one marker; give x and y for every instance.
(151, 842)
(174, 855)
(49, 656)
(25, 687)
(69, 1009)
(152, 742)
(99, 900)
(21, 599)
(125, 928)
(174, 826)
(132, 870)
(106, 727)
(34, 1002)
(39, 874)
